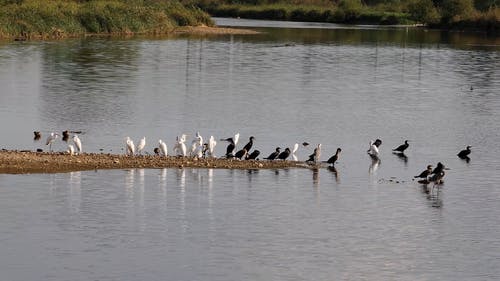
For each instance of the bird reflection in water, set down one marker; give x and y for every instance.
(402, 157)
(315, 176)
(374, 165)
(335, 173)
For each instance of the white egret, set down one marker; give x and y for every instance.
(211, 146)
(317, 153)
(197, 145)
(236, 138)
(141, 145)
(163, 148)
(180, 146)
(78, 143)
(50, 139)
(295, 147)
(130, 146)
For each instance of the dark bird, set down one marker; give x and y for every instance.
(37, 136)
(284, 155)
(253, 155)
(425, 173)
(335, 157)
(377, 142)
(65, 135)
(230, 148)
(248, 146)
(241, 153)
(402, 147)
(435, 178)
(157, 151)
(439, 168)
(273, 155)
(305, 143)
(464, 154)
(312, 156)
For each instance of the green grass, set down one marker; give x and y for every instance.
(59, 18)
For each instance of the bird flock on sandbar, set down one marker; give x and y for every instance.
(201, 149)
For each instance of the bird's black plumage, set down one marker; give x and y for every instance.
(284, 155)
(464, 153)
(425, 173)
(439, 168)
(377, 142)
(311, 157)
(230, 148)
(248, 146)
(402, 147)
(65, 135)
(253, 155)
(37, 136)
(334, 158)
(273, 155)
(241, 153)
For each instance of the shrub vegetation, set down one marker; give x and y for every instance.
(61, 18)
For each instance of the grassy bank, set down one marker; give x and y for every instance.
(311, 13)
(452, 14)
(63, 18)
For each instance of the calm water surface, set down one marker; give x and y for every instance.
(335, 85)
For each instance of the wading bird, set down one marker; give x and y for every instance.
(335, 157)
(401, 148)
(425, 173)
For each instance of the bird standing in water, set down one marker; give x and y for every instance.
(464, 154)
(401, 148)
(425, 173)
(335, 157)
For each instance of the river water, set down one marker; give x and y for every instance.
(340, 86)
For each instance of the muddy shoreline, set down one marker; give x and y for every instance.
(27, 162)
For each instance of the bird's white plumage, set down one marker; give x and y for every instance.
(373, 149)
(129, 145)
(50, 139)
(78, 143)
(163, 148)
(317, 153)
(236, 139)
(71, 149)
(295, 147)
(211, 146)
(141, 145)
